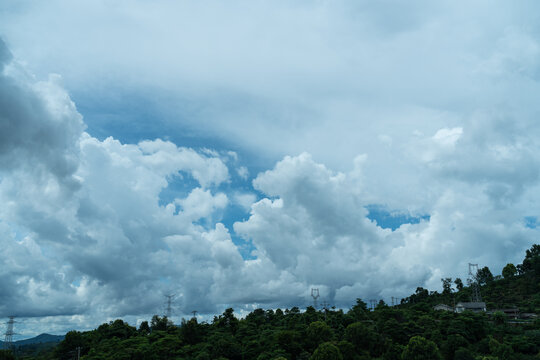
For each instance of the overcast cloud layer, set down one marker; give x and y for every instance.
(230, 153)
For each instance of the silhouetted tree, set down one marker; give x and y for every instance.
(459, 284)
(484, 276)
(509, 271)
(447, 286)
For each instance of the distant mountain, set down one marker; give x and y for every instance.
(40, 339)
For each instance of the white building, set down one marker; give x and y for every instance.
(443, 307)
(479, 306)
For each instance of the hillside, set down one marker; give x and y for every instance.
(40, 339)
(411, 330)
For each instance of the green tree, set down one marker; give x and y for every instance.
(144, 328)
(393, 352)
(228, 321)
(318, 332)
(484, 276)
(347, 350)
(459, 284)
(419, 348)
(160, 323)
(364, 338)
(326, 351)
(289, 340)
(531, 263)
(452, 343)
(499, 318)
(447, 286)
(421, 293)
(190, 331)
(69, 345)
(224, 344)
(509, 271)
(463, 354)
(502, 351)
(359, 311)
(6, 355)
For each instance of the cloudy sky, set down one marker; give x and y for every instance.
(241, 153)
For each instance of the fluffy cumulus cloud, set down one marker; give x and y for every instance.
(83, 228)
(313, 228)
(332, 109)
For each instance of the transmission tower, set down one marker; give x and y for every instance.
(8, 340)
(169, 305)
(315, 296)
(473, 282)
(325, 306)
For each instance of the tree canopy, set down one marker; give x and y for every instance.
(412, 330)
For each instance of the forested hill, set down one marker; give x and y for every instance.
(411, 330)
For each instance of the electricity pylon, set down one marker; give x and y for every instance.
(8, 339)
(315, 296)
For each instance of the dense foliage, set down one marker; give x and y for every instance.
(411, 330)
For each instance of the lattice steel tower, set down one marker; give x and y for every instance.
(315, 296)
(169, 305)
(473, 283)
(8, 340)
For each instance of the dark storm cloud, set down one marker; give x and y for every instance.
(33, 133)
(5, 54)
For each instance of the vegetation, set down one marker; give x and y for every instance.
(411, 330)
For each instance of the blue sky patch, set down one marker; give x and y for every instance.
(392, 219)
(531, 222)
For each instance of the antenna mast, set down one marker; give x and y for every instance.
(315, 296)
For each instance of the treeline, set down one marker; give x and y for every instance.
(411, 330)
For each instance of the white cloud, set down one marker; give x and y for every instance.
(315, 229)
(243, 172)
(444, 115)
(448, 137)
(83, 231)
(245, 200)
(201, 204)
(316, 76)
